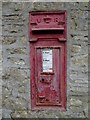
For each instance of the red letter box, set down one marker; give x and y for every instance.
(48, 60)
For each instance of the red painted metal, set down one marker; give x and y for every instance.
(48, 25)
(48, 32)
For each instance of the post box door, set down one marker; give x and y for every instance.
(48, 76)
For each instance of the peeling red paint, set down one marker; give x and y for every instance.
(48, 75)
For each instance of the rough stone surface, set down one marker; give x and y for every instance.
(0, 61)
(16, 93)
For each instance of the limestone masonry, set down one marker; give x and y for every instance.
(16, 102)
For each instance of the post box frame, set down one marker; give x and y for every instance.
(36, 43)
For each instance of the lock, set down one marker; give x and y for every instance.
(48, 40)
(42, 79)
(46, 79)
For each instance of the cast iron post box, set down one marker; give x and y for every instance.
(48, 59)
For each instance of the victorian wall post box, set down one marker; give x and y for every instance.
(47, 33)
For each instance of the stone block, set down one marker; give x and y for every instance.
(47, 7)
(16, 50)
(75, 48)
(20, 114)
(6, 113)
(8, 40)
(80, 60)
(76, 109)
(75, 102)
(0, 113)
(23, 40)
(16, 61)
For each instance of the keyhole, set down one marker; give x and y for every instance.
(43, 79)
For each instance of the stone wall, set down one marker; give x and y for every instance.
(0, 61)
(16, 101)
